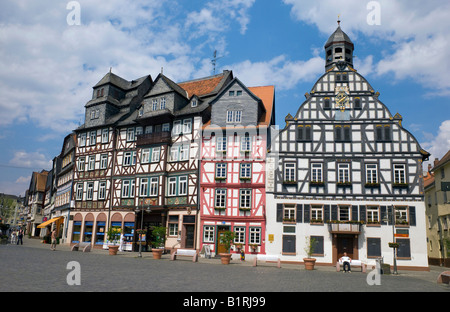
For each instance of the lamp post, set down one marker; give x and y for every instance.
(142, 223)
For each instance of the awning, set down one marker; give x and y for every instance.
(44, 224)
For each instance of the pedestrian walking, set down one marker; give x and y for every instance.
(19, 237)
(53, 238)
(13, 236)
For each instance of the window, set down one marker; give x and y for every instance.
(401, 215)
(165, 127)
(344, 213)
(383, 133)
(82, 139)
(373, 247)
(145, 155)
(221, 170)
(79, 192)
(234, 116)
(357, 104)
(127, 188)
(172, 189)
(92, 137)
(373, 215)
(343, 173)
(316, 213)
(245, 199)
(154, 186)
(103, 161)
(245, 143)
(289, 172)
(239, 237)
(254, 235)
(289, 212)
(342, 133)
(184, 152)
(230, 116)
(399, 174)
(143, 190)
(221, 145)
(208, 234)
(371, 174)
(90, 191)
(179, 152)
(187, 126)
(326, 104)
(182, 185)
(173, 225)
(245, 171)
(130, 134)
(105, 135)
(102, 190)
(176, 130)
(316, 173)
(139, 131)
(304, 133)
(154, 104)
(163, 103)
(91, 163)
(129, 159)
(194, 103)
(220, 198)
(230, 93)
(156, 151)
(81, 163)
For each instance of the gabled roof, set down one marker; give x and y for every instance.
(267, 96)
(445, 159)
(205, 86)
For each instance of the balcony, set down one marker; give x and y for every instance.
(344, 228)
(153, 138)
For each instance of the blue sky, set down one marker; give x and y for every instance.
(48, 66)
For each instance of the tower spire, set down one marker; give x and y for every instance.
(339, 20)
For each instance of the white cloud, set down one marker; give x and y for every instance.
(438, 145)
(416, 32)
(32, 160)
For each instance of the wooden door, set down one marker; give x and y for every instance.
(220, 232)
(345, 244)
(190, 230)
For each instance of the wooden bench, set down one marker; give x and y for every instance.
(444, 277)
(86, 247)
(353, 263)
(267, 258)
(185, 253)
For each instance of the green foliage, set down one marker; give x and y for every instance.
(159, 236)
(310, 244)
(227, 239)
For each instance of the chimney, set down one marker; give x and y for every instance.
(436, 160)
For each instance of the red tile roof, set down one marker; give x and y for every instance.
(201, 87)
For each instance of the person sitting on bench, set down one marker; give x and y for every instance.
(346, 262)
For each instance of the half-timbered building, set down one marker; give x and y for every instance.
(113, 100)
(233, 155)
(346, 173)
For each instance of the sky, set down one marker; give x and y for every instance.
(52, 52)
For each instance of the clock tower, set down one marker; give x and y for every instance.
(338, 50)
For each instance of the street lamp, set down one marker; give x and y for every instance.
(142, 223)
(386, 219)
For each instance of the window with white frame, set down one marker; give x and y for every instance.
(174, 152)
(246, 143)
(81, 163)
(92, 137)
(129, 159)
(399, 174)
(102, 190)
(289, 212)
(254, 235)
(154, 104)
(245, 171)
(221, 170)
(184, 152)
(154, 186)
(156, 151)
(289, 172)
(234, 116)
(143, 189)
(239, 235)
(79, 192)
(221, 144)
(165, 127)
(208, 234)
(220, 198)
(182, 185)
(128, 188)
(89, 190)
(172, 186)
(139, 131)
(176, 130)
(163, 103)
(130, 134)
(82, 140)
(145, 155)
(245, 198)
(373, 214)
(316, 172)
(371, 173)
(103, 161)
(173, 225)
(401, 214)
(105, 135)
(187, 126)
(343, 173)
(316, 213)
(91, 163)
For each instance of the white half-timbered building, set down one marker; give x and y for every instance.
(346, 173)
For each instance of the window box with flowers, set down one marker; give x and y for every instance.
(394, 245)
(288, 220)
(316, 221)
(400, 185)
(253, 247)
(372, 185)
(344, 184)
(289, 182)
(317, 183)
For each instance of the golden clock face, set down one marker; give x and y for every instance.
(342, 99)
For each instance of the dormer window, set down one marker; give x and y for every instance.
(194, 103)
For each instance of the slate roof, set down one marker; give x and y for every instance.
(338, 36)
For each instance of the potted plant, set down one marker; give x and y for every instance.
(159, 238)
(113, 236)
(226, 239)
(309, 249)
(254, 247)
